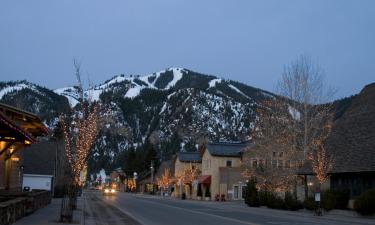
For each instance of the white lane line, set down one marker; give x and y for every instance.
(188, 210)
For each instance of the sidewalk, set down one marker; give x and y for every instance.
(50, 214)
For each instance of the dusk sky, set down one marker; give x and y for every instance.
(242, 40)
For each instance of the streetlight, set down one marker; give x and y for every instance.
(135, 176)
(152, 176)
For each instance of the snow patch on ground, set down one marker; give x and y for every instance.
(238, 90)
(294, 113)
(163, 108)
(17, 87)
(213, 82)
(177, 75)
(93, 94)
(133, 92)
(267, 95)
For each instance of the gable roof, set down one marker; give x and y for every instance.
(40, 158)
(29, 122)
(9, 129)
(352, 141)
(190, 157)
(226, 149)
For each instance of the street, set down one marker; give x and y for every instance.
(133, 209)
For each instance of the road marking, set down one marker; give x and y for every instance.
(188, 210)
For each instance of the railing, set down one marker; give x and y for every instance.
(22, 204)
(12, 210)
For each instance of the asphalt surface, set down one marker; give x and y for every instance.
(134, 209)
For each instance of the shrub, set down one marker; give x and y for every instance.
(365, 203)
(251, 197)
(276, 202)
(342, 199)
(291, 202)
(264, 197)
(328, 201)
(310, 204)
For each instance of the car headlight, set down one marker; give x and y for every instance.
(113, 190)
(106, 190)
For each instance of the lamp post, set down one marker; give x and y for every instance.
(152, 176)
(135, 176)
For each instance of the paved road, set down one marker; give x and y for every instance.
(150, 210)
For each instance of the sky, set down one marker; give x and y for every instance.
(243, 40)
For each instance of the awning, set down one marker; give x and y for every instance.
(204, 179)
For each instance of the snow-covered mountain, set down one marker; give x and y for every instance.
(173, 105)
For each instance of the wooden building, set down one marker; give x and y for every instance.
(18, 128)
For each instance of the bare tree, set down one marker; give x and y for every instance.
(165, 180)
(80, 132)
(291, 126)
(302, 83)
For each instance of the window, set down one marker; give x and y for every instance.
(281, 154)
(235, 192)
(299, 163)
(207, 163)
(243, 191)
(287, 164)
(274, 163)
(255, 163)
(280, 164)
(229, 163)
(274, 154)
(261, 163)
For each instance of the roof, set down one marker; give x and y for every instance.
(226, 149)
(164, 165)
(40, 158)
(8, 129)
(351, 142)
(190, 157)
(29, 122)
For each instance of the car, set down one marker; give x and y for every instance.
(109, 191)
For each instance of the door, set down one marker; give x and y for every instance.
(235, 191)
